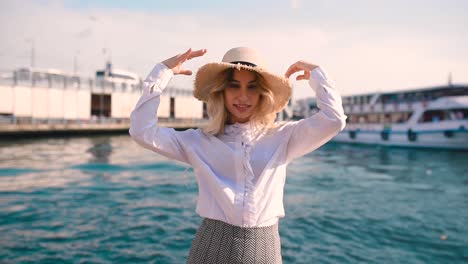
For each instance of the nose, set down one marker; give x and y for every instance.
(243, 94)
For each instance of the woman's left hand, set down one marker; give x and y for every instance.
(304, 66)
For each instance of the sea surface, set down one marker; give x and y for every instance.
(104, 199)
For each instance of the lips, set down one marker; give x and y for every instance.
(242, 107)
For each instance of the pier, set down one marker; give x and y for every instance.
(67, 129)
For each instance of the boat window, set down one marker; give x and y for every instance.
(434, 116)
(458, 114)
(398, 117)
(373, 118)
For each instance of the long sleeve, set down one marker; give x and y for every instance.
(144, 127)
(310, 133)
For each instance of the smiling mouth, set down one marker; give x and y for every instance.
(242, 107)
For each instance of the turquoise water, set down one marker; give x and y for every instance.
(106, 200)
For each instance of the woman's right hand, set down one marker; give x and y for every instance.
(175, 63)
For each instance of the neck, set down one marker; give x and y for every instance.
(231, 121)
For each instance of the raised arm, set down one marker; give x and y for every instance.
(144, 127)
(310, 133)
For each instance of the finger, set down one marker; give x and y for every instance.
(185, 56)
(304, 76)
(291, 70)
(185, 72)
(197, 53)
(306, 66)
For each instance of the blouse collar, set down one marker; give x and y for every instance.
(247, 131)
(238, 128)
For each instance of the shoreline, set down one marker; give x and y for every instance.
(8, 131)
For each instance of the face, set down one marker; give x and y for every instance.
(241, 96)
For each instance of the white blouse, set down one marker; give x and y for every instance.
(240, 174)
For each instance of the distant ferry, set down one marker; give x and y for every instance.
(434, 117)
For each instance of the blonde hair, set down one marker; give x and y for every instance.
(263, 116)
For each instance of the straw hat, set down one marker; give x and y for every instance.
(243, 58)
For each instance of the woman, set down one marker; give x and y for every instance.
(240, 158)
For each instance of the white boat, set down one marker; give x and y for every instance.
(434, 117)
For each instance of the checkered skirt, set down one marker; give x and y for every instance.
(219, 242)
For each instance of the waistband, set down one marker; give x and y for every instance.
(241, 232)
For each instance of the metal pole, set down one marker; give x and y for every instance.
(32, 58)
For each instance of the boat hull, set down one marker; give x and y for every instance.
(444, 139)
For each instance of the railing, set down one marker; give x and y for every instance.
(51, 80)
(381, 108)
(11, 123)
(7, 120)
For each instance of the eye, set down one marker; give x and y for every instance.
(233, 85)
(252, 87)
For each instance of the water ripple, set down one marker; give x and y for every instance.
(107, 200)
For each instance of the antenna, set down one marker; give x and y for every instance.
(75, 62)
(450, 79)
(33, 57)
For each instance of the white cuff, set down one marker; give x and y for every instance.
(317, 76)
(158, 79)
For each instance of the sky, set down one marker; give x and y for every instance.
(364, 45)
